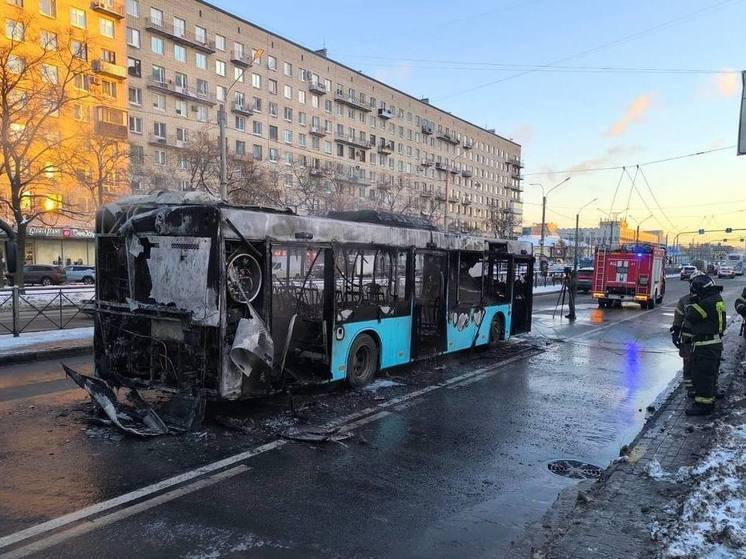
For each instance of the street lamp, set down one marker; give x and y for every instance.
(577, 232)
(544, 209)
(637, 233)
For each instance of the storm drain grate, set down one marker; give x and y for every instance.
(574, 469)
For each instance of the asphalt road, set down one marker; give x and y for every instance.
(449, 462)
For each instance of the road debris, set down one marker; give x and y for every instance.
(313, 434)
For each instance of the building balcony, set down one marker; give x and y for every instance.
(426, 194)
(353, 141)
(108, 69)
(169, 141)
(440, 196)
(516, 163)
(353, 102)
(468, 144)
(466, 173)
(241, 109)
(427, 129)
(449, 137)
(241, 60)
(440, 166)
(385, 114)
(108, 8)
(318, 88)
(427, 163)
(386, 148)
(316, 172)
(516, 176)
(319, 131)
(466, 201)
(182, 37)
(182, 92)
(514, 188)
(453, 169)
(111, 123)
(384, 186)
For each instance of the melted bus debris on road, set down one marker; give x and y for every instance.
(208, 301)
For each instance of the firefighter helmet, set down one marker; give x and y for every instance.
(700, 283)
(695, 273)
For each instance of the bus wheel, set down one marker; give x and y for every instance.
(362, 361)
(497, 330)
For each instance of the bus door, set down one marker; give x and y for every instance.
(429, 310)
(523, 274)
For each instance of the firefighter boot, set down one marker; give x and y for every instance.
(697, 409)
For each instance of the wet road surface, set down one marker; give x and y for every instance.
(454, 467)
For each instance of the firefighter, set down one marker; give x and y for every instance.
(684, 343)
(571, 285)
(703, 326)
(741, 309)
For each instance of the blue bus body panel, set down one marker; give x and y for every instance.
(463, 326)
(395, 335)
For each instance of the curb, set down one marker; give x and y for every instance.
(49, 353)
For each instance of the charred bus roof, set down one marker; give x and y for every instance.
(254, 223)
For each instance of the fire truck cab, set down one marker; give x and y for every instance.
(632, 273)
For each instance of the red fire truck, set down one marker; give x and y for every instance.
(630, 273)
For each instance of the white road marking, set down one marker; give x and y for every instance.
(121, 514)
(349, 422)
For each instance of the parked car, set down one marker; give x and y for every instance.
(585, 279)
(44, 274)
(687, 271)
(726, 272)
(86, 274)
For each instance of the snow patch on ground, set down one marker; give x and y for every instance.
(712, 522)
(381, 383)
(27, 341)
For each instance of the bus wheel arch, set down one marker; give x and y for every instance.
(363, 359)
(497, 329)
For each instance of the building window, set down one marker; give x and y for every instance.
(134, 94)
(271, 63)
(273, 155)
(202, 113)
(156, 17)
(272, 86)
(220, 93)
(302, 140)
(257, 104)
(180, 53)
(48, 8)
(181, 80)
(182, 136)
(133, 37)
(14, 30)
(288, 158)
(200, 60)
(238, 74)
(48, 40)
(77, 18)
(257, 128)
(106, 27)
(200, 33)
(133, 8)
(78, 49)
(159, 129)
(135, 124)
(240, 147)
(202, 88)
(272, 109)
(156, 44)
(302, 97)
(302, 118)
(81, 112)
(158, 74)
(327, 147)
(272, 132)
(328, 106)
(288, 136)
(287, 91)
(240, 123)
(219, 42)
(159, 157)
(49, 73)
(256, 152)
(256, 81)
(180, 107)
(159, 102)
(238, 50)
(220, 68)
(179, 27)
(288, 114)
(287, 69)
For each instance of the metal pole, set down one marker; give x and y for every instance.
(223, 155)
(543, 217)
(15, 303)
(637, 234)
(577, 227)
(445, 206)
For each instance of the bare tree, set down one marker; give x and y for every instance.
(502, 222)
(397, 195)
(43, 81)
(249, 183)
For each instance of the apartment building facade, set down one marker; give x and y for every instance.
(77, 46)
(289, 106)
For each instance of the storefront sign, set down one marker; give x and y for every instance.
(59, 233)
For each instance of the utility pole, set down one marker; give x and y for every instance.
(445, 206)
(223, 155)
(544, 211)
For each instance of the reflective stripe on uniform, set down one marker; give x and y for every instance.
(708, 342)
(704, 400)
(700, 310)
(720, 309)
(678, 310)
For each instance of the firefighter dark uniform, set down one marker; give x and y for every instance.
(741, 309)
(683, 343)
(703, 326)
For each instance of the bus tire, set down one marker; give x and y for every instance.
(362, 361)
(497, 330)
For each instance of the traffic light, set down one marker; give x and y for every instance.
(701, 231)
(729, 229)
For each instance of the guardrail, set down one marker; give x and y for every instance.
(549, 279)
(27, 308)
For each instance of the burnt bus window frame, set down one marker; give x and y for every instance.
(497, 292)
(397, 296)
(455, 296)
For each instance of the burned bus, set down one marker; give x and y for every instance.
(193, 294)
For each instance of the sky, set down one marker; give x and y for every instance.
(478, 59)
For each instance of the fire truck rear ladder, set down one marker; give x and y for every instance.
(599, 283)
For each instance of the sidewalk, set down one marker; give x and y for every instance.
(45, 345)
(679, 490)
